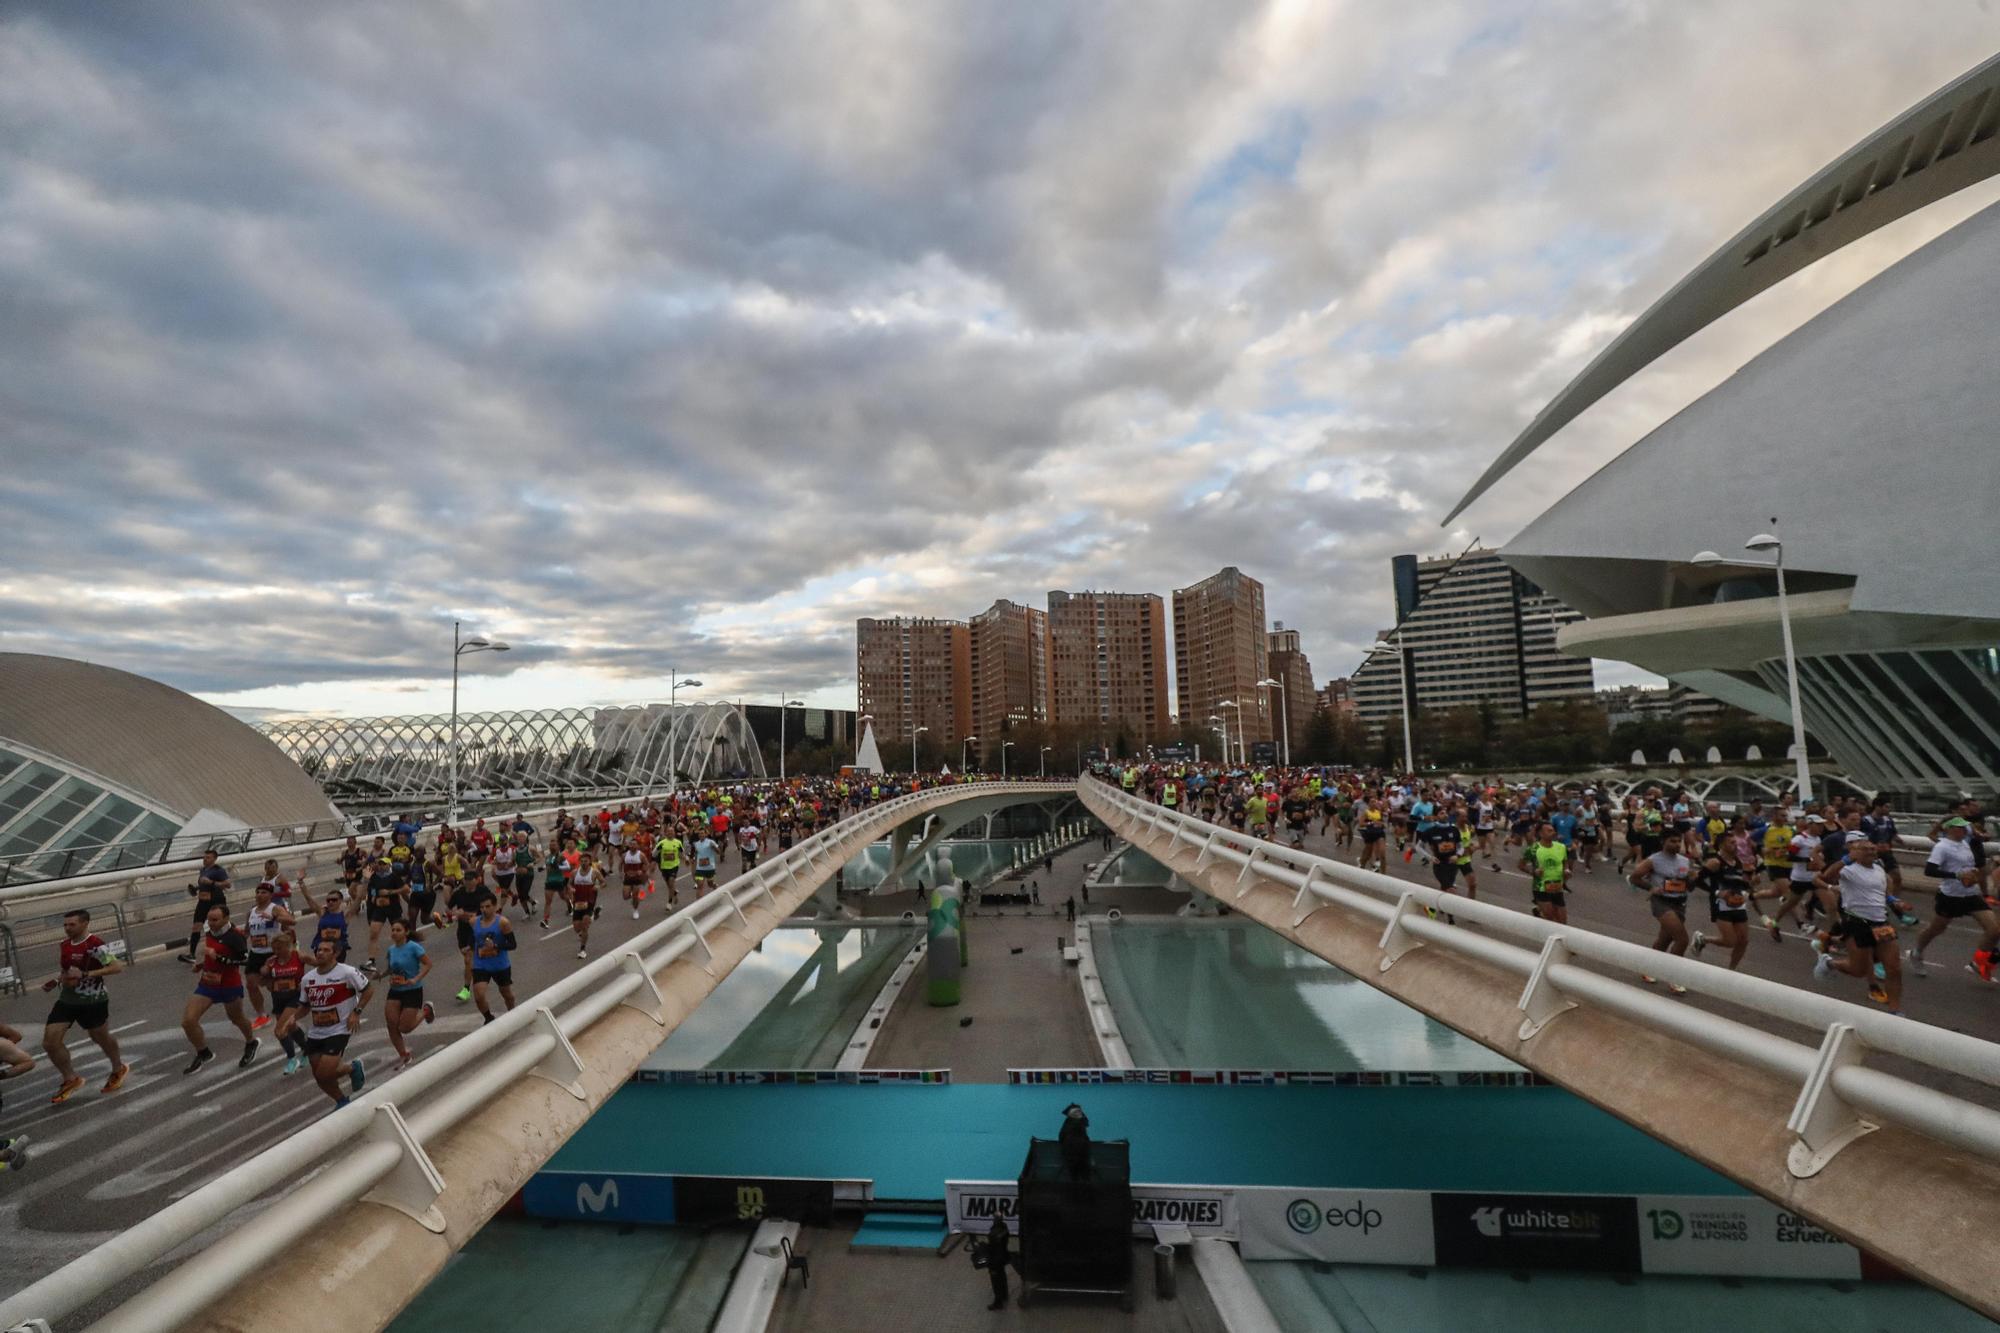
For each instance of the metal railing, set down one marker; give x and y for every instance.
(382, 1132)
(1839, 1097)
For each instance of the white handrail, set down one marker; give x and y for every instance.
(1829, 1074)
(503, 1051)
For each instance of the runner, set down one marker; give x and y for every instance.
(492, 948)
(636, 876)
(84, 961)
(1864, 920)
(332, 925)
(1374, 837)
(282, 975)
(220, 973)
(464, 907)
(523, 857)
(409, 964)
(388, 888)
(333, 995)
(706, 859)
(1728, 886)
(1664, 876)
(210, 889)
(352, 862)
(583, 908)
(555, 878)
(1547, 863)
(265, 919)
(1959, 894)
(667, 851)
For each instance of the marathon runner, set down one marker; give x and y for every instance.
(83, 962)
(637, 877)
(1960, 893)
(492, 948)
(706, 859)
(332, 925)
(1727, 882)
(1864, 920)
(210, 889)
(1664, 877)
(220, 981)
(282, 975)
(667, 851)
(333, 995)
(583, 907)
(265, 919)
(1547, 863)
(388, 888)
(464, 907)
(555, 879)
(409, 964)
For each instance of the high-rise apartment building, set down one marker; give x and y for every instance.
(914, 671)
(1108, 661)
(1337, 696)
(1010, 672)
(1220, 653)
(1293, 672)
(1472, 632)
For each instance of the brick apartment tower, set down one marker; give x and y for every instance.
(1010, 674)
(1289, 665)
(1221, 652)
(1108, 662)
(913, 671)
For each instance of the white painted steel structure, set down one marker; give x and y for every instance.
(380, 1136)
(1840, 1097)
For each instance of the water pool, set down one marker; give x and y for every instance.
(1207, 994)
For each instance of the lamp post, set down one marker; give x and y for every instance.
(459, 648)
(1222, 722)
(674, 683)
(1045, 760)
(961, 752)
(783, 705)
(1004, 747)
(1284, 717)
(1403, 676)
(1765, 541)
(1241, 746)
(913, 748)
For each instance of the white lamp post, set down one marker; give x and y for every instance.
(962, 746)
(459, 648)
(1765, 541)
(673, 730)
(1403, 676)
(1045, 759)
(1241, 733)
(1004, 747)
(783, 705)
(1284, 717)
(913, 748)
(1223, 723)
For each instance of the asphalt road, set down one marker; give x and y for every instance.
(100, 1163)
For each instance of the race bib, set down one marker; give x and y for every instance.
(325, 1018)
(1885, 932)
(211, 976)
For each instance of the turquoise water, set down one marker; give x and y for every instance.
(955, 860)
(1230, 994)
(522, 1274)
(792, 1003)
(1399, 1300)
(1133, 867)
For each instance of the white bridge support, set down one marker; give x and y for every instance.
(385, 1190)
(1788, 1093)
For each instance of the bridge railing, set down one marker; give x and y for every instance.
(379, 1137)
(1840, 1097)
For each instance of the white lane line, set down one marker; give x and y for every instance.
(127, 1027)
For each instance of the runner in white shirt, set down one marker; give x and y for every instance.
(637, 877)
(1959, 893)
(266, 919)
(333, 995)
(1864, 922)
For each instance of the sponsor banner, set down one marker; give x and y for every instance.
(846, 1078)
(1536, 1231)
(1337, 1226)
(971, 1205)
(674, 1200)
(1744, 1237)
(1275, 1078)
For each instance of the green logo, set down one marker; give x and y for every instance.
(1666, 1222)
(1303, 1216)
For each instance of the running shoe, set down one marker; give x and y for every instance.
(1697, 944)
(1982, 964)
(582, 953)
(14, 1153)
(1674, 988)
(635, 912)
(464, 994)
(1881, 972)
(1823, 970)
(1916, 962)
(1878, 992)
(261, 1021)
(1650, 981)
(201, 1057)
(71, 1086)
(357, 1075)
(117, 1079)
(1777, 936)
(292, 1063)
(340, 1102)
(430, 1013)
(249, 1054)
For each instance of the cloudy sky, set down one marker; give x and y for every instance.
(655, 336)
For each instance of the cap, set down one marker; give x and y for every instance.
(1813, 819)
(1956, 822)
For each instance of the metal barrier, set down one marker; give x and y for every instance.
(1836, 1089)
(381, 1133)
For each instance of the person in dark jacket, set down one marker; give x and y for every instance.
(997, 1259)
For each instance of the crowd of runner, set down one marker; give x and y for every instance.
(1828, 871)
(286, 970)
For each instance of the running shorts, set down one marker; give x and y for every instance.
(1951, 906)
(219, 994)
(333, 1045)
(411, 997)
(1555, 898)
(1864, 934)
(1736, 914)
(1662, 904)
(253, 966)
(393, 912)
(89, 1016)
(500, 977)
(1446, 873)
(465, 934)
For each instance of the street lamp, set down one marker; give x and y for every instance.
(1240, 730)
(1284, 715)
(783, 704)
(961, 752)
(1765, 541)
(459, 648)
(1402, 675)
(1045, 759)
(1222, 722)
(913, 748)
(674, 683)
(1004, 747)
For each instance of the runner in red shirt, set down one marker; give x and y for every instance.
(85, 961)
(219, 980)
(282, 975)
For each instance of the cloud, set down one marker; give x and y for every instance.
(679, 336)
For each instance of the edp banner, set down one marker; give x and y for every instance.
(1737, 1237)
(971, 1205)
(1337, 1226)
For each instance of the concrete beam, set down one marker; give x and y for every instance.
(1924, 1207)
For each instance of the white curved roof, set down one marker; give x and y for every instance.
(1946, 142)
(170, 747)
(1871, 434)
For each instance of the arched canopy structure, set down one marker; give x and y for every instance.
(548, 750)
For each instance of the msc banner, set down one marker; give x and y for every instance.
(1741, 1237)
(971, 1205)
(1337, 1226)
(1536, 1231)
